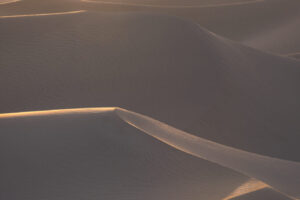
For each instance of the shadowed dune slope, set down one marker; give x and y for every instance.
(23, 7)
(271, 25)
(161, 66)
(282, 39)
(97, 155)
(93, 153)
(266, 194)
(174, 3)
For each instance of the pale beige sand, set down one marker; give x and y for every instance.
(266, 194)
(249, 187)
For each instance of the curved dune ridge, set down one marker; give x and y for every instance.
(235, 108)
(221, 85)
(249, 187)
(8, 1)
(283, 175)
(283, 37)
(43, 14)
(294, 55)
(155, 5)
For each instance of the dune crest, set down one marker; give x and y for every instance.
(173, 6)
(8, 1)
(250, 186)
(284, 175)
(43, 14)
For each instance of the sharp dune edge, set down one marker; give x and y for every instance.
(221, 85)
(8, 1)
(249, 187)
(173, 6)
(282, 175)
(235, 108)
(44, 14)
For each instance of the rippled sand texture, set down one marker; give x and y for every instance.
(224, 73)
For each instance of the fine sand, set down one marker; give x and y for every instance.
(223, 72)
(164, 67)
(78, 146)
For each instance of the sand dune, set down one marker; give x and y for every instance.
(29, 7)
(180, 4)
(249, 187)
(155, 57)
(105, 124)
(284, 175)
(262, 194)
(96, 59)
(44, 14)
(253, 23)
(8, 1)
(294, 55)
(97, 155)
(283, 39)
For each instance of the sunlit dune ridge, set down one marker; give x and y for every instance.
(56, 112)
(250, 186)
(8, 1)
(284, 175)
(44, 14)
(173, 6)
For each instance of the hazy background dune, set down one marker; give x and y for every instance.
(161, 66)
(205, 67)
(271, 25)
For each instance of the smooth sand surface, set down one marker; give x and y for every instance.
(106, 138)
(43, 14)
(259, 24)
(97, 155)
(271, 25)
(161, 66)
(175, 4)
(8, 1)
(159, 61)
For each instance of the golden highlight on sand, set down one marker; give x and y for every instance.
(173, 6)
(44, 14)
(250, 164)
(8, 1)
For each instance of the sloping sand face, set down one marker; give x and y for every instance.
(43, 14)
(161, 66)
(97, 155)
(91, 152)
(175, 4)
(268, 25)
(35, 7)
(2, 2)
(283, 38)
(56, 55)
